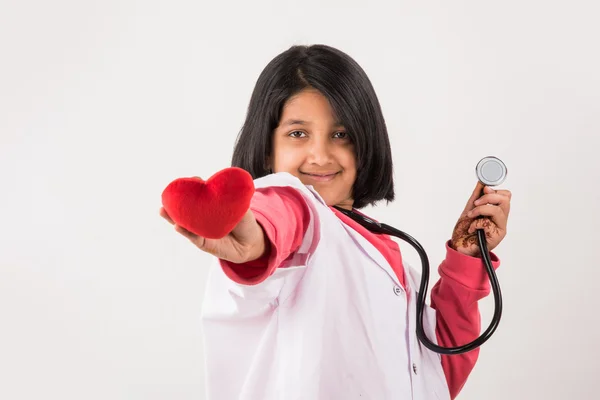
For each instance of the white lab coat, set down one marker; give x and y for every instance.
(332, 324)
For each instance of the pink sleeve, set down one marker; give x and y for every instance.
(284, 216)
(463, 282)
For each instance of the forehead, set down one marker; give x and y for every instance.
(308, 106)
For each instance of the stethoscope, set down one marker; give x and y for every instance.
(491, 172)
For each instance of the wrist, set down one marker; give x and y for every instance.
(465, 250)
(261, 247)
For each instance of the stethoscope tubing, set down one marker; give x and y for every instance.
(377, 227)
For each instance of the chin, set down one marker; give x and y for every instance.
(330, 199)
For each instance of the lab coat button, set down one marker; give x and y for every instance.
(415, 368)
(397, 290)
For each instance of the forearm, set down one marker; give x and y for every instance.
(463, 282)
(282, 216)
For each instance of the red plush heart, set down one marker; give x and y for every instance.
(211, 208)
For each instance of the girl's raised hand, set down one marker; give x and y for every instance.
(488, 212)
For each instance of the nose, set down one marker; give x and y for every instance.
(319, 152)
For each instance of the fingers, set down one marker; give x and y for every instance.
(487, 210)
(491, 230)
(479, 191)
(482, 191)
(180, 229)
(495, 213)
(192, 237)
(500, 198)
(475, 195)
(197, 240)
(490, 198)
(163, 213)
(496, 199)
(490, 190)
(505, 193)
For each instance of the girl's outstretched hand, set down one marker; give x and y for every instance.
(488, 212)
(215, 214)
(246, 242)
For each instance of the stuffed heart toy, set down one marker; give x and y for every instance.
(212, 208)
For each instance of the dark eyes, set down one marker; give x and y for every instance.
(300, 134)
(297, 134)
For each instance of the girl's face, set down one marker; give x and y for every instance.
(311, 145)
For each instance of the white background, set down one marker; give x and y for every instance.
(102, 104)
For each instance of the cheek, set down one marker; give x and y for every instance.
(286, 158)
(348, 160)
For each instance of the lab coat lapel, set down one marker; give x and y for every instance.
(372, 252)
(365, 246)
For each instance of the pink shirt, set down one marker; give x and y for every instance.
(284, 217)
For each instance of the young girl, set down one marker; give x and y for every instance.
(304, 303)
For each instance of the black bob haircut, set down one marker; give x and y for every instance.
(351, 95)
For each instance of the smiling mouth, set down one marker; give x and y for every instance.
(320, 177)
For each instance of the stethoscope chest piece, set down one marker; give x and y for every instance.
(491, 171)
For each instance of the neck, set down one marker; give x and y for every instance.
(346, 204)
